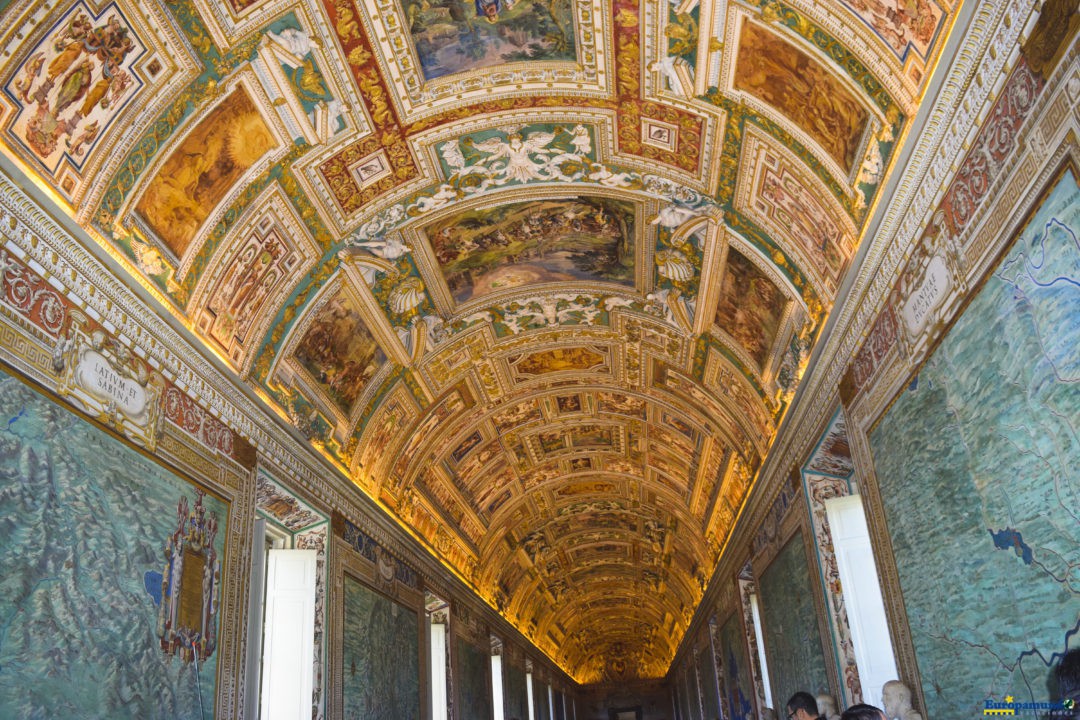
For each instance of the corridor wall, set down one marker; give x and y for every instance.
(976, 465)
(957, 426)
(111, 571)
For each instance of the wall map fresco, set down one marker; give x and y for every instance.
(789, 622)
(736, 683)
(452, 36)
(515, 692)
(482, 251)
(471, 680)
(89, 523)
(380, 656)
(976, 463)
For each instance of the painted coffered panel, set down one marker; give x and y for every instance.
(79, 80)
(247, 278)
(796, 209)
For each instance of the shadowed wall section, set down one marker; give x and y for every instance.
(471, 673)
(792, 641)
(515, 694)
(380, 656)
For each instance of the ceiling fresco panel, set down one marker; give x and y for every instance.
(202, 169)
(483, 251)
(454, 50)
(231, 304)
(441, 414)
(339, 351)
(621, 404)
(903, 26)
(516, 416)
(383, 438)
(742, 400)
(453, 36)
(562, 359)
(751, 307)
(75, 82)
(338, 355)
(794, 207)
(803, 90)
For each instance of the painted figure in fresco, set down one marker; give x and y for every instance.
(518, 150)
(488, 9)
(896, 697)
(86, 73)
(901, 22)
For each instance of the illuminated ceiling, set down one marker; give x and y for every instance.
(540, 278)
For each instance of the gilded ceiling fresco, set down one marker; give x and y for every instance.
(539, 277)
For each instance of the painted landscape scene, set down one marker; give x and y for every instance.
(340, 352)
(452, 36)
(490, 249)
(750, 308)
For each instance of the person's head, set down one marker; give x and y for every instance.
(862, 712)
(802, 706)
(896, 697)
(1068, 675)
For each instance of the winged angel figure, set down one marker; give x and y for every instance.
(519, 152)
(521, 158)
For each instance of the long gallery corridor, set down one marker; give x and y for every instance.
(539, 359)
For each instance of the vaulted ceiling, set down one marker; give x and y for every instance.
(539, 277)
